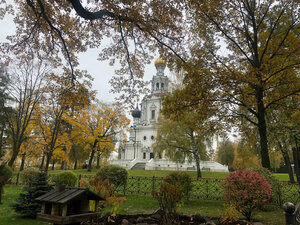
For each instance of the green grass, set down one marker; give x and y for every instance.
(162, 173)
(7, 215)
(147, 204)
(138, 204)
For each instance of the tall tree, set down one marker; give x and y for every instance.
(97, 127)
(61, 95)
(25, 88)
(4, 108)
(225, 153)
(257, 66)
(284, 126)
(245, 155)
(180, 140)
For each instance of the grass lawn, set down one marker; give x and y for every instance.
(138, 204)
(7, 215)
(162, 173)
(147, 204)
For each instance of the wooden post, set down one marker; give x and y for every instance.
(64, 211)
(153, 183)
(43, 208)
(96, 205)
(53, 210)
(79, 178)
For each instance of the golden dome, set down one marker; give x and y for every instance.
(160, 62)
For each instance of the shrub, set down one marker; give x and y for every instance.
(180, 179)
(66, 178)
(5, 175)
(274, 181)
(28, 174)
(106, 190)
(246, 191)
(230, 215)
(116, 175)
(168, 197)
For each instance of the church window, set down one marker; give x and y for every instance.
(157, 86)
(152, 114)
(144, 155)
(162, 86)
(152, 137)
(159, 155)
(145, 137)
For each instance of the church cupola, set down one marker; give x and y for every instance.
(136, 113)
(160, 65)
(159, 81)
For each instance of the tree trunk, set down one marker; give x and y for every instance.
(262, 130)
(42, 163)
(13, 158)
(287, 162)
(47, 163)
(92, 155)
(98, 161)
(91, 160)
(23, 161)
(53, 164)
(197, 159)
(64, 165)
(1, 191)
(296, 157)
(1, 138)
(75, 164)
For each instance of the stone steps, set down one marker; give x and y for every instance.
(139, 166)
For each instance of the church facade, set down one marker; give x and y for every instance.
(138, 152)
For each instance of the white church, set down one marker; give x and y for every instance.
(138, 152)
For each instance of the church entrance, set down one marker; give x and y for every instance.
(151, 155)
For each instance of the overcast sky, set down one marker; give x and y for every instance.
(100, 70)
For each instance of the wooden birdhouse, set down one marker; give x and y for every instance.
(68, 206)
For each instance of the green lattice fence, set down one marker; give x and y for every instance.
(203, 189)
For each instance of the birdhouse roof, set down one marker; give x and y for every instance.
(64, 196)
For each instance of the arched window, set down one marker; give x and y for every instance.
(162, 85)
(153, 114)
(145, 138)
(157, 86)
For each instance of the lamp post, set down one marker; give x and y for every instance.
(295, 134)
(134, 142)
(292, 212)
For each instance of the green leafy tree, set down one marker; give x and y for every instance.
(78, 154)
(179, 140)
(225, 153)
(284, 127)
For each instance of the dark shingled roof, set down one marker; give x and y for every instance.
(61, 197)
